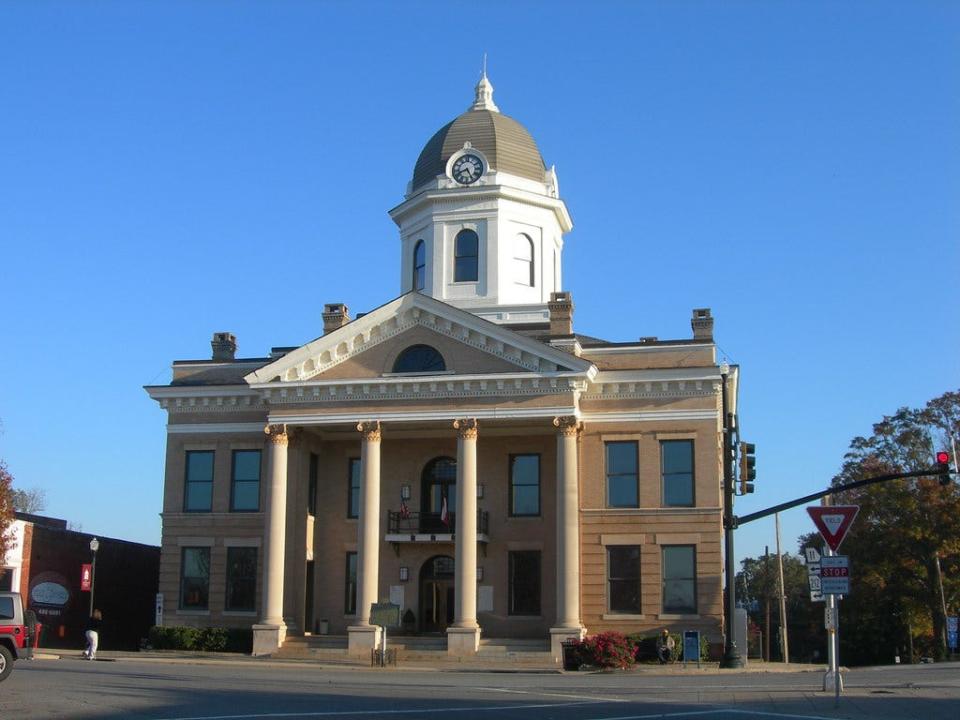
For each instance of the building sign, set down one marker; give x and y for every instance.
(49, 595)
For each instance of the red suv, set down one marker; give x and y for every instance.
(15, 640)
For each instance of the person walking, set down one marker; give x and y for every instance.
(93, 635)
(665, 647)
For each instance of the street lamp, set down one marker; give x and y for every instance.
(94, 546)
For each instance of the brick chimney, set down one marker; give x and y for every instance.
(335, 316)
(702, 324)
(224, 346)
(561, 313)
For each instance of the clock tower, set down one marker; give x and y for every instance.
(482, 223)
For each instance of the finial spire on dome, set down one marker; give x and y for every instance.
(484, 92)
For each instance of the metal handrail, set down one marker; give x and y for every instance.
(420, 523)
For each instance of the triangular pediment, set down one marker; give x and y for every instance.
(361, 349)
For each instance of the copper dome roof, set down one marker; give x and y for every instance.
(505, 142)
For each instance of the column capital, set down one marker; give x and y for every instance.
(466, 428)
(277, 434)
(567, 424)
(370, 429)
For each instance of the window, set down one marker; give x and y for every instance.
(523, 260)
(465, 256)
(195, 578)
(6, 608)
(524, 584)
(524, 485)
(623, 579)
(312, 487)
(622, 490)
(245, 492)
(198, 486)
(241, 579)
(350, 585)
(679, 579)
(419, 265)
(676, 463)
(419, 358)
(353, 489)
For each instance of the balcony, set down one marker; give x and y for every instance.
(427, 527)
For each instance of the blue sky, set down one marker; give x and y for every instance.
(171, 169)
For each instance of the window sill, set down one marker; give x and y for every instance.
(239, 613)
(621, 616)
(198, 613)
(525, 617)
(678, 616)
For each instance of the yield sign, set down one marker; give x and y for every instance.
(833, 521)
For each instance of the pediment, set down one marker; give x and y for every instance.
(365, 348)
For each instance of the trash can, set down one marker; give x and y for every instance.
(571, 655)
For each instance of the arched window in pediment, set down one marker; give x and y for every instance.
(419, 358)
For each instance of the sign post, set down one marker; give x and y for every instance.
(833, 522)
(385, 615)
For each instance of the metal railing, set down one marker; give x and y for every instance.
(429, 523)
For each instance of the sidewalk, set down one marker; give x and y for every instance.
(446, 665)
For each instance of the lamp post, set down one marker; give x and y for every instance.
(94, 546)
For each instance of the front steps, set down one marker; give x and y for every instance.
(424, 649)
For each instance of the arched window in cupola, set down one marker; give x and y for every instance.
(419, 265)
(419, 359)
(523, 260)
(466, 253)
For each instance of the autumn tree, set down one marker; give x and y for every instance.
(6, 510)
(905, 544)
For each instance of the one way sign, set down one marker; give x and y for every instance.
(833, 521)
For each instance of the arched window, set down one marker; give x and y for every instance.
(438, 482)
(465, 261)
(419, 358)
(523, 260)
(419, 265)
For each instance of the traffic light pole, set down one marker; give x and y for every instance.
(731, 655)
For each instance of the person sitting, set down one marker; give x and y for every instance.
(665, 646)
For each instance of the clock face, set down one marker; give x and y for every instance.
(467, 169)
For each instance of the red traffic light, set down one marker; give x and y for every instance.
(943, 457)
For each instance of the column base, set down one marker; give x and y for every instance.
(361, 639)
(559, 634)
(463, 642)
(267, 638)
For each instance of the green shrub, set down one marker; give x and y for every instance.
(606, 650)
(213, 639)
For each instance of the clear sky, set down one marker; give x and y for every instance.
(171, 169)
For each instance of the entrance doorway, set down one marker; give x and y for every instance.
(436, 594)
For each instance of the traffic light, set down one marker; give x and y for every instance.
(943, 467)
(748, 467)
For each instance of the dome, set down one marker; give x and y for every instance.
(505, 142)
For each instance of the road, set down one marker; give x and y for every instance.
(184, 690)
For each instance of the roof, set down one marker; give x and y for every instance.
(507, 144)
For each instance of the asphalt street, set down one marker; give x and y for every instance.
(224, 690)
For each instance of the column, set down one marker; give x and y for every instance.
(269, 634)
(362, 635)
(463, 637)
(568, 535)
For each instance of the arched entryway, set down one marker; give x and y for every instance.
(436, 594)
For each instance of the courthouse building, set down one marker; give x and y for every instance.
(462, 451)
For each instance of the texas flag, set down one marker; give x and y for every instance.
(444, 516)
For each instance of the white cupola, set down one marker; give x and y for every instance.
(482, 224)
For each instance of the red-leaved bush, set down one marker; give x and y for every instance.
(606, 650)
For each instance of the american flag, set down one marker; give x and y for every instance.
(444, 517)
(404, 510)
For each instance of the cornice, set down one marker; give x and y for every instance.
(454, 413)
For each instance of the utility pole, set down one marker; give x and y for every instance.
(766, 602)
(784, 644)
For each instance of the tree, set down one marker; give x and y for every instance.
(759, 581)
(905, 544)
(6, 510)
(30, 501)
